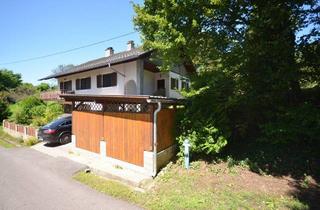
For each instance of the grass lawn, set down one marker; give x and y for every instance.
(5, 144)
(8, 141)
(204, 186)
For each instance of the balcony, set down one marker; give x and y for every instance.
(54, 95)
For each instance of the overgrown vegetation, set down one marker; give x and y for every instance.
(255, 80)
(31, 141)
(33, 111)
(21, 103)
(212, 186)
(255, 67)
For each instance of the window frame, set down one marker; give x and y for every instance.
(174, 82)
(83, 83)
(187, 85)
(63, 85)
(103, 82)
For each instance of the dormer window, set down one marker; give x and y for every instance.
(107, 80)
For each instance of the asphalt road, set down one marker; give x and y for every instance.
(32, 180)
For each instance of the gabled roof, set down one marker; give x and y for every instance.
(117, 58)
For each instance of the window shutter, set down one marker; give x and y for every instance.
(106, 80)
(78, 84)
(89, 83)
(114, 79)
(61, 85)
(99, 79)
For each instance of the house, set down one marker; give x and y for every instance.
(125, 73)
(123, 108)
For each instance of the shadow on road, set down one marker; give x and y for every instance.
(50, 144)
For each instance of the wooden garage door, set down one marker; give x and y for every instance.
(127, 135)
(87, 127)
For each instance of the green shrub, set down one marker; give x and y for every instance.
(38, 115)
(31, 141)
(53, 110)
(206, 139)
(23, 110)
(33, 111)
(204, 119)
(45, 113)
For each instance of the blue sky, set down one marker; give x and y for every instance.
(35, 27)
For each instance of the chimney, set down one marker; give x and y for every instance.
(130, 45)
(109, 51)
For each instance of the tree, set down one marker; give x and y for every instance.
(21, 92)
(62, 68)
(259, 47)
(4, 111)
(9, 80)
(43, 87)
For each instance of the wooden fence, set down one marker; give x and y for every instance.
(21, 131)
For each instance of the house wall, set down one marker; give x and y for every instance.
(167, 77)
(132, 80)
(148, 83)
(125, 85)
(175, 93)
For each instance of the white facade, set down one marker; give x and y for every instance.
(132, 79)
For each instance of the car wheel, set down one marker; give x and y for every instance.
(65, 138)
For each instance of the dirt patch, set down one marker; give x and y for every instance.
(244, 179)
(220, 176)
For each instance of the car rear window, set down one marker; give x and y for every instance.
(57, 122)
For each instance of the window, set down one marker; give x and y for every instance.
(107, 80)
(185, 84)
(66, 123)
(161, 84)
(174, 84)
(82, 84)
(66, 86)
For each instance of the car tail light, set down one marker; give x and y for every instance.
(49, 131)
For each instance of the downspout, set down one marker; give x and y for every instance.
(155, 117)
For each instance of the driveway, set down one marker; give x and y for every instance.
(32, 180)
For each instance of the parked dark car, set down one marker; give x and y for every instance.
(58, 131)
